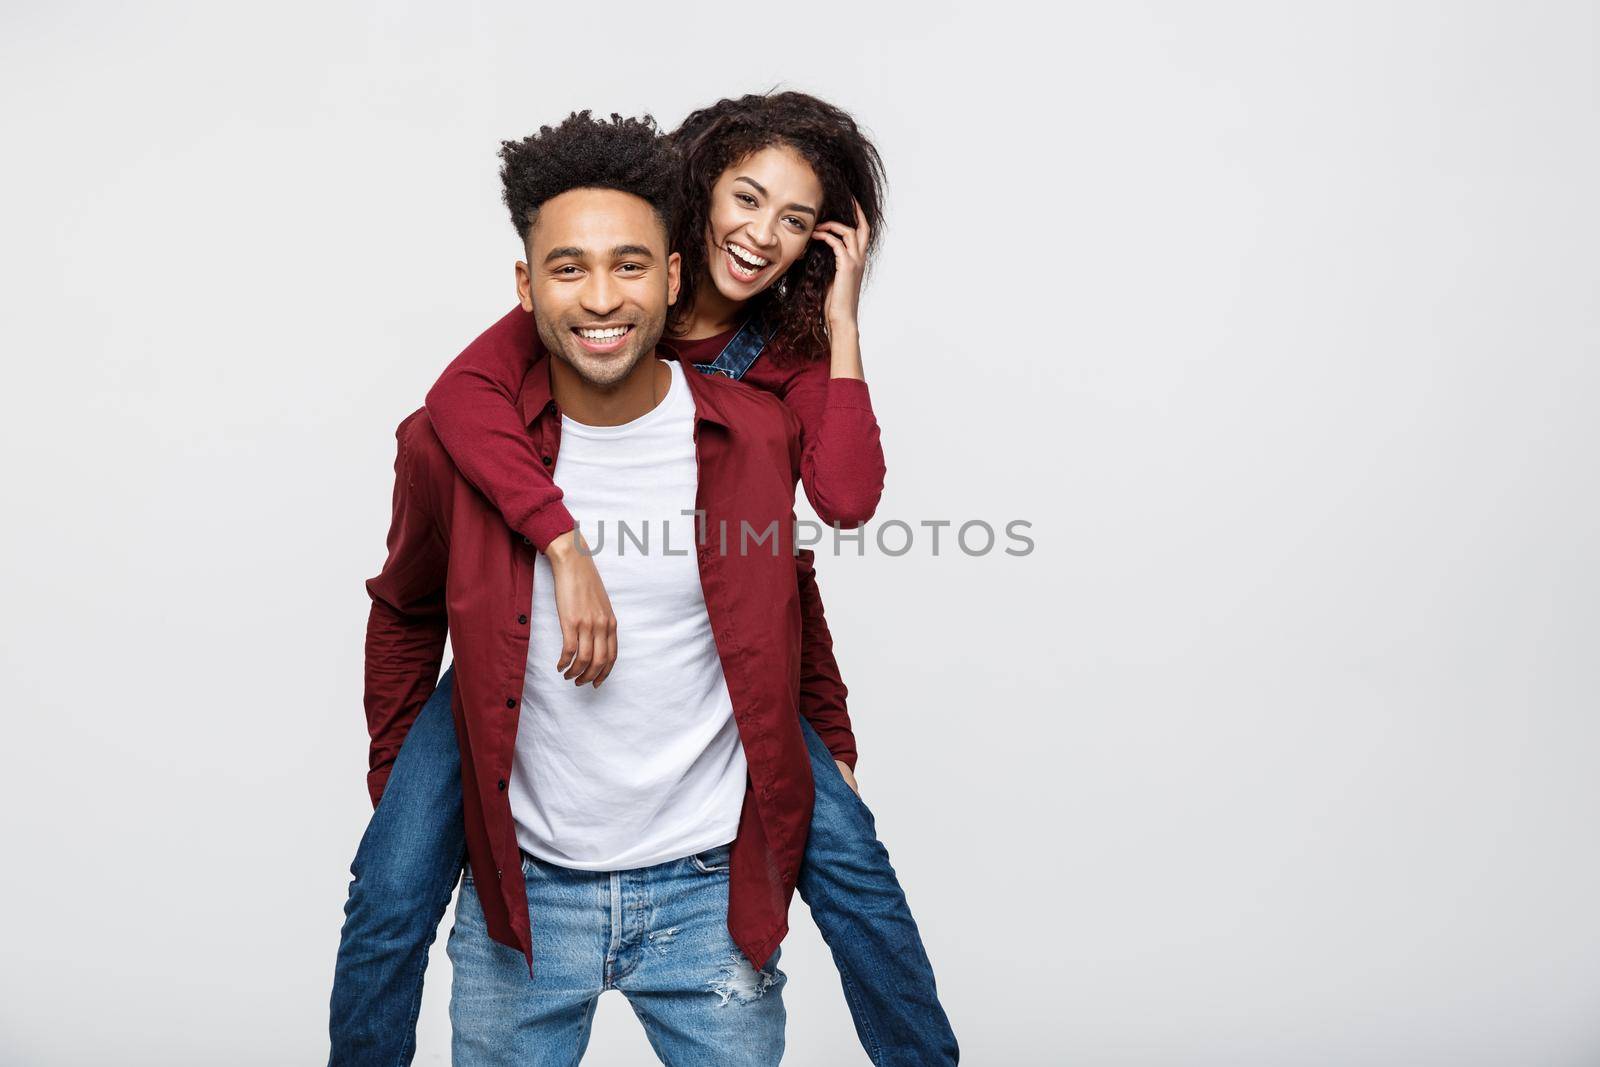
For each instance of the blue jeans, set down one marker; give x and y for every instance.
(659, 934)
(405, 873)
(411, 856)
(857, 903)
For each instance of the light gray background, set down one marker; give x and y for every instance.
(1277, 321)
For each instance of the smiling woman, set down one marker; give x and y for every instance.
(760, 219)
(793, 183)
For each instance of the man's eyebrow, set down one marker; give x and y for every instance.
(574, 252)
(762, 190)
(568, 252)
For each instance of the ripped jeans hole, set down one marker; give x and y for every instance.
(740, 983)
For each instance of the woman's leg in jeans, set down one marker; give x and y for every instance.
(405, 873)
(856, 901)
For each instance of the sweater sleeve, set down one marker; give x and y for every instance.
(473, 408)
(841, 465)
(406, 625)
(822, 689)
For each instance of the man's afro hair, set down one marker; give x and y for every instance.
(627, 154)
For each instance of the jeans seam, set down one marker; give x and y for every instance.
(408, 1051)
(862, 1015)
(614, 943)
(649, 1031)
(588, 1028)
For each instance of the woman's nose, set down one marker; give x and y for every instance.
(761, 234)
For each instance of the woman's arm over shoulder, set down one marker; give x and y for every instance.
(473, 408)
(841, 464)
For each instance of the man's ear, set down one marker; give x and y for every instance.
(674, 265)
(524, 286)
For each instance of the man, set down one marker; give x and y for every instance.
(644, 834)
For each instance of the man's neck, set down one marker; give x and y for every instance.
(592, 405)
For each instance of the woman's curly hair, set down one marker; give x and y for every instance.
(627, 154)
(715, 138)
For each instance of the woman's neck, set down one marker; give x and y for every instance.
(713, 313)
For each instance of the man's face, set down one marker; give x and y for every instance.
(599, 281)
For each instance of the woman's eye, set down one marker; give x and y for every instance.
(796, 223)
(745, 198)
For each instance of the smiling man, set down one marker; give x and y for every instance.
(643, 834)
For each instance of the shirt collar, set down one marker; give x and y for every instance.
(535, 399)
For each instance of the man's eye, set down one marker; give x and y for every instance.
(630, 268)
(569, 270)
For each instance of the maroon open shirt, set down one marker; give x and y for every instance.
(454, 564)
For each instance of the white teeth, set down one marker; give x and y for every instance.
(603, 335)
(748, 257)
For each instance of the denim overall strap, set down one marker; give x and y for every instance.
(740, 352)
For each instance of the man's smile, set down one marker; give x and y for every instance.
(605, 338)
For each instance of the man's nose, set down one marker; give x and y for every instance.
(601, 295)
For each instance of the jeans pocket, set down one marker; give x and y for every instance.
(712, 860)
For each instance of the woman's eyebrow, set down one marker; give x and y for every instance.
(758, 187)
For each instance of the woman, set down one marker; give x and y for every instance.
(782, 197)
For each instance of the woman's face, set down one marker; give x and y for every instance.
(763, 210)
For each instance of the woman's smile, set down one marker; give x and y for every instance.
(743, 264)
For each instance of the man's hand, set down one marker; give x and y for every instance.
(588, 627)
(848, 775)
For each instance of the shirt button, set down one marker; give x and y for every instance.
(527, 540)
(547, 460)
(511, 702)
(497, 872)
(502, 785)
(522, 619)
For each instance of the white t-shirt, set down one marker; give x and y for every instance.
(648, 767)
